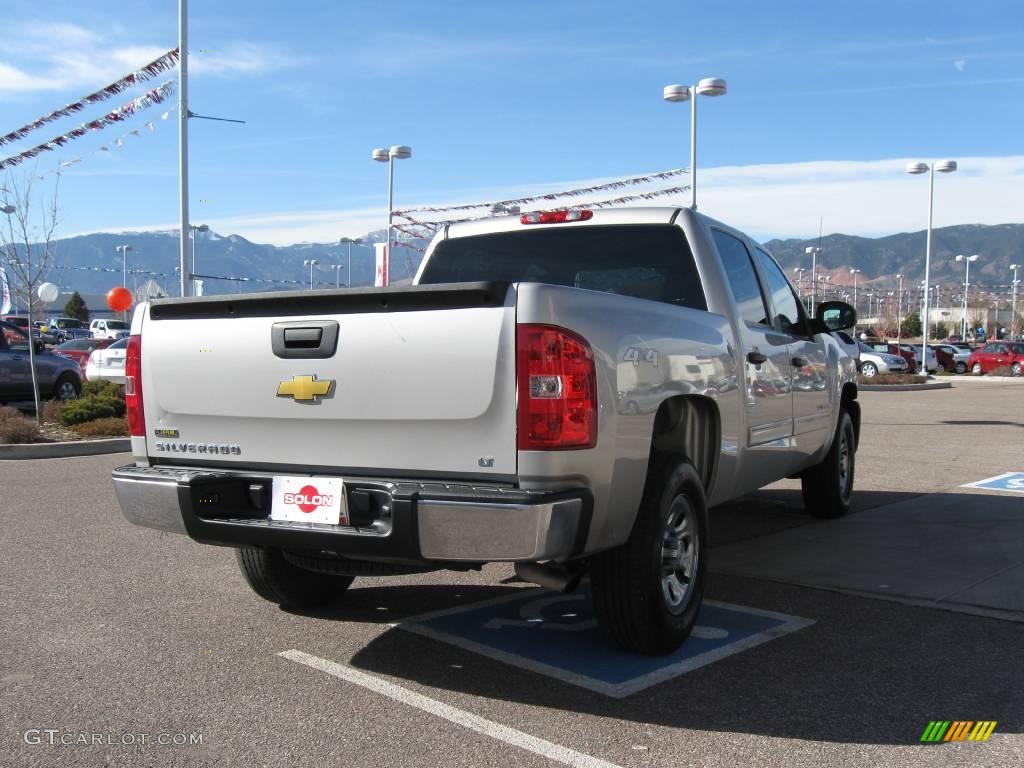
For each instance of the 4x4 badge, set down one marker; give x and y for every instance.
(305, 388)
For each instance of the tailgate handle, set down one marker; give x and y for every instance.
(308, 339)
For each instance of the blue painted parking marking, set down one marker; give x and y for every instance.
(1008, 481)
(557, 635)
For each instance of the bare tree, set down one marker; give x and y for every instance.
(26, 248)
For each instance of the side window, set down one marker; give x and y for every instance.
(739, 271)
(991, 348)
(787, 312)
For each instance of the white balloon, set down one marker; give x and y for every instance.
(48, 292)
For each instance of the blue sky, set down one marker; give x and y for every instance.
(826, 102)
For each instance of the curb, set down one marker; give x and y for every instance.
(904, 387)
(62, 450)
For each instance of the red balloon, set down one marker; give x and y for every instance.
(119, 298)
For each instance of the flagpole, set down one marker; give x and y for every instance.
(183, 115)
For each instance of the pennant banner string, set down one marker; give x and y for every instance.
(156, 96)
(151, 70)
(617, 184)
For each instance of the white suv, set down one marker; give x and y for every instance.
(109, 329)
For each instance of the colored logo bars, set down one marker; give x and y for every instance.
(958, 730)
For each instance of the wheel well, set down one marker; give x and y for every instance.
(688, 426)
(848, 401)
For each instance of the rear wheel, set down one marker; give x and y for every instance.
(647, 593)
(961, 367)
(275, 579)
(67, 388)
(868, 369)
(828, 486)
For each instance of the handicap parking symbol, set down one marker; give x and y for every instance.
(1008, 481)
(557, 635)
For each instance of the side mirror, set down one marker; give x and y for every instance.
(836, 315)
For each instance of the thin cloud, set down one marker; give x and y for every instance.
(38, 56)
(960, 65)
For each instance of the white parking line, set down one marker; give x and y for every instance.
(449, 713)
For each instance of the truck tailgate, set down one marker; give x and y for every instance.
(420, 377)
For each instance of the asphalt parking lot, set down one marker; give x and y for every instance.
(827, 643)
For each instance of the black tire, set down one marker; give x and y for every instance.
(868, 369)
(961, 367)
(273, 578)
(828, 486)
(66, 384)
(631, 585)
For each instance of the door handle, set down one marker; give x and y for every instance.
(313, 339)
(799, 362)
(756, 358)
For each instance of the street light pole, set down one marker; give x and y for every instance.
(192, 275)
(1013, 304)
(310, 263)
(856, 272)
(967, 281)
(942, 166)
(813, 251)
(899, 309)
(123, 250)
(337, 274)
(350, 240)
(799, 281)
(709, 86)
(396, 152)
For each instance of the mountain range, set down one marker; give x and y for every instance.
(92, 264)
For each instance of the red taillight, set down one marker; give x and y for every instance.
(133, 387)
(555, 217)
(557, 399)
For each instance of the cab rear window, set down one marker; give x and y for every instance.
(647, 261)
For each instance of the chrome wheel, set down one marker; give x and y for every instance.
(976, 369)
(868, 370)
(67, 390)
(680, 553)
(1015, 369)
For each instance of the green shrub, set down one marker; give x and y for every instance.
(87, 409)
(107, 427)
(100, 387)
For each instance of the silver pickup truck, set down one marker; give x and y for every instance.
(568, 391)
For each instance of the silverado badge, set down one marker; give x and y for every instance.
(305, 388)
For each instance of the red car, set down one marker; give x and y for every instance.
(997, 354)
(80, 349)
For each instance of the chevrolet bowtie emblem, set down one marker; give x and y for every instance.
(305, 388)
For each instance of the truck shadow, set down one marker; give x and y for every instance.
(866, 672)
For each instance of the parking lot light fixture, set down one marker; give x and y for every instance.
(855, 272)
(813, 251)
(967, 283)
(310, 263)
(382, 155)
(915, 169)
(349, 241)
(123, 250)
(709, 86)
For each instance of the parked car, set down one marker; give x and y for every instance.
(107, 363)
(59, 377)
(891, 348)
(80, 349)
(109, 329)
(932, 361)
(997, 354)
(21, 322)
(65, 328)
(957, 357)
(873, 361)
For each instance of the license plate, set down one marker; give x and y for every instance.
(309, 500)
